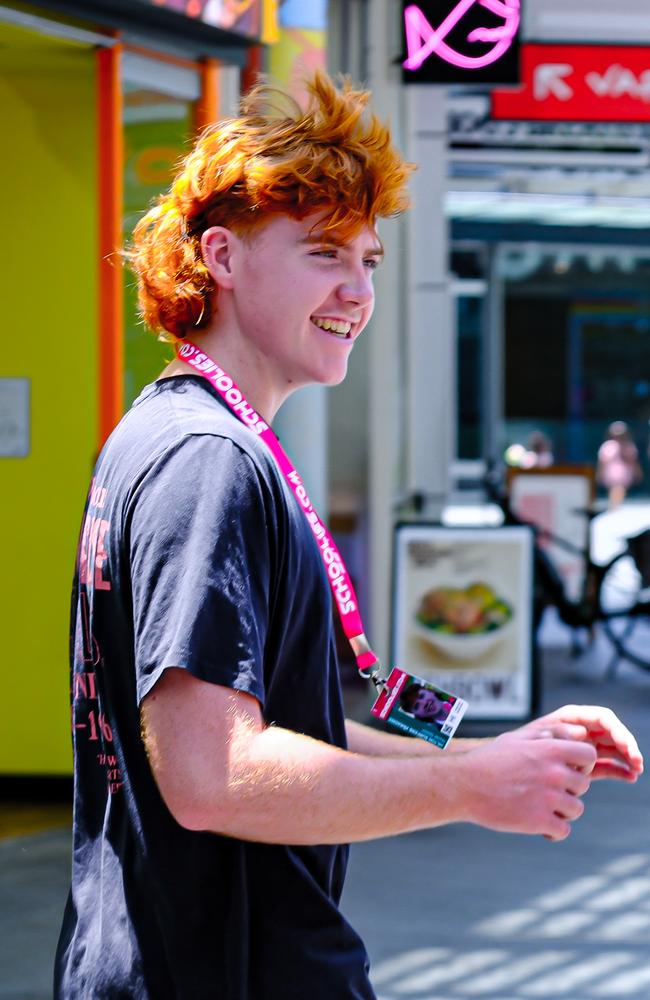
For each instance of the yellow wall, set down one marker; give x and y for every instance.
(49, 304)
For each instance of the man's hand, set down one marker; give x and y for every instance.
(525, 782)
(618, 755)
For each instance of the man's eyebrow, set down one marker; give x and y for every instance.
(377, 250)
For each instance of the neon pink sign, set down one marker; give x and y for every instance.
(422, 40)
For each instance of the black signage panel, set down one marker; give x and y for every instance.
(461, 41)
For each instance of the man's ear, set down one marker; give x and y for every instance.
(217, 246)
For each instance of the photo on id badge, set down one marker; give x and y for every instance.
(418, 708)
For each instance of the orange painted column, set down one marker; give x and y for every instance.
(110, 193)
(207, 108)
(254, 65)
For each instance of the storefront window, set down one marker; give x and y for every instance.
(469, 289)
(577, 345)
(469, 319)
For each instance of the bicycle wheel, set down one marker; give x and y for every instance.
(622, 591)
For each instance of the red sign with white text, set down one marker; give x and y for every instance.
(606, 83)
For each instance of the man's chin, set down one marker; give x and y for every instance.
(335, 378)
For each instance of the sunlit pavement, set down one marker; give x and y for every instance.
(451, 913)
(465, 913)
(33, 887)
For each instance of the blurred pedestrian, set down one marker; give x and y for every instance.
(536, 454)
(539, 451)
(618, 463)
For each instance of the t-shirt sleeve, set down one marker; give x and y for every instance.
(199, 556)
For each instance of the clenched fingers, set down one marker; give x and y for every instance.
(581, 756)
(614, 768)
(604, 728)
(567, 809)
(549, 729)
(577, 782)
(557, 829)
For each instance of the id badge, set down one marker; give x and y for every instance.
(419, 708)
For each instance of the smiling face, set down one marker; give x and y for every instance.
(427, 705)
(295, 298)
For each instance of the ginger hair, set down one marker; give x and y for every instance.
(277, 156)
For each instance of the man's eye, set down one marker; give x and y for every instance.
(372, 263)
(324, 253)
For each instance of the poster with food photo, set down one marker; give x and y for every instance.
(462, 614)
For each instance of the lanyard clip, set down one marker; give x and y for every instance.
(368, 664)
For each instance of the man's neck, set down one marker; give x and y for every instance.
(251, 374)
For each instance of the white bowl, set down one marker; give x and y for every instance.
(462, 645)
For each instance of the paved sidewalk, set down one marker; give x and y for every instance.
(455, 913)
(34, 879)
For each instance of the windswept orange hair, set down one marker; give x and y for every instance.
(276, 157)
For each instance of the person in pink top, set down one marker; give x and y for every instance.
(618, 463)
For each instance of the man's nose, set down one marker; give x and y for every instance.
(358, 288)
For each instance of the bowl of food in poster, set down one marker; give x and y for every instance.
(463, 622)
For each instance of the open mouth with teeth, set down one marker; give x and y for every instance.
(340, 328)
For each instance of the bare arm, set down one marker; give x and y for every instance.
(377, 743)
(618, 755)
(219, 768)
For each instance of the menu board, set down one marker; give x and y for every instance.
(462, 614)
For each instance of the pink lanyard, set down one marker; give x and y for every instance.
(337, 574)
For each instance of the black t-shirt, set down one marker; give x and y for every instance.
(194, 554)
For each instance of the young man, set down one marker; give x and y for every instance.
(215, 777)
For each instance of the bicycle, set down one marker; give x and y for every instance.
(615, 594)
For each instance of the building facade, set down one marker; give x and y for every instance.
(514, 294)
(100, 100)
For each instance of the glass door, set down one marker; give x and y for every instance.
(469, 289)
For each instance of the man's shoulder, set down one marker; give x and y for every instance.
(178, 432)
(174, 411)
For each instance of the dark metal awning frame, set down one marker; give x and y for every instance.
(143, 23)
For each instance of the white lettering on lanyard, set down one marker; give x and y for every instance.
(339, 579)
